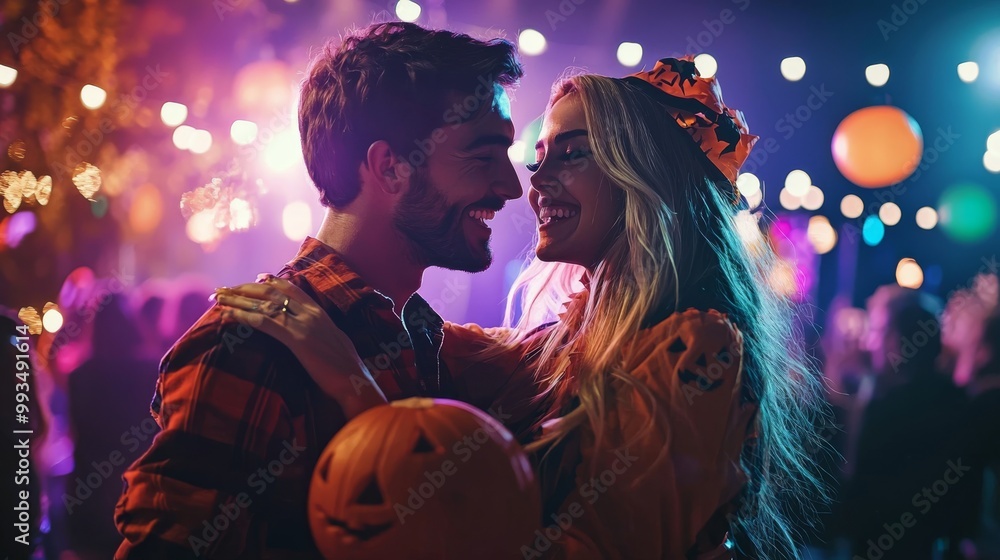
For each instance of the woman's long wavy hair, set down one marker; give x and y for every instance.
(676, 247)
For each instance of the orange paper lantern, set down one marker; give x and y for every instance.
(423, 479)
(877, 146)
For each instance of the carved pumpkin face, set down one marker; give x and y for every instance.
(423, 478)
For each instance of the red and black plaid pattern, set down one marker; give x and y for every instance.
(243, 424)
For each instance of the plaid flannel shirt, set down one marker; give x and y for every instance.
(243, 424)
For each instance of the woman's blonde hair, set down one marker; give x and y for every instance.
(678, 248)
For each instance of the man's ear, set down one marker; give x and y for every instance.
(385, 170)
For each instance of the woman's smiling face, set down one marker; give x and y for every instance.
(576, 204)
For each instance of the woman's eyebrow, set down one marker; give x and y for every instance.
(563, 136)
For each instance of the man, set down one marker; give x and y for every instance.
(911, 483)
(405, 133)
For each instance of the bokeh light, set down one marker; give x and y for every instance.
(877, 74)
(793, 68)
(182, 136)
(240, 215)
(18, 226)
(782, 279)
(531, 42)
(29, 316)
(28, 184)
(706, 64)
(748, 183)
(264, 87)
(748, 228)
(629, 54)
(92, 96)
(993, 142)
(813, 198)
(407, 10)
(991, 161)
(877, 146)
(87, 179)
(909, 274)
(146, 210)
(200, 142)
(798, 182)
(851, 206)
(873, 231)
(173, 114)
(967, 212)
(7, 76)
(43, 190)
(284, 151)
(243, 132)
(927, 217)
(52, 320)
(99, 206)
(890, 214)
(516, 151)
(749, 186)
(821, 234)
(755, 198)
(788, 200)
(968, 71)
(201, 228)
(296, 220)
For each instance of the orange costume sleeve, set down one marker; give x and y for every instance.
(651, 493)
(499, 385)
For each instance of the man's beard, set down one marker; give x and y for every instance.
(434, 228)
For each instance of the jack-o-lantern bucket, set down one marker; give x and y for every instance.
(423, 478)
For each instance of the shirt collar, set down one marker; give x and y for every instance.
(332, 278)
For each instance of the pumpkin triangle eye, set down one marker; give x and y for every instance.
(371, 495)
(324, 466)
(423, 445)
(724, 356)
(677, 345)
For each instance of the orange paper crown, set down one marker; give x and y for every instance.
(696, 105)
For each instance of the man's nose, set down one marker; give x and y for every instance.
(507, 184)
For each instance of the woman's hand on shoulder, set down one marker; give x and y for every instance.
(282, 310)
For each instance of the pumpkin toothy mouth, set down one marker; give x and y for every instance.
(364, 533)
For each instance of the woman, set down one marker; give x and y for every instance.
(654, 409)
